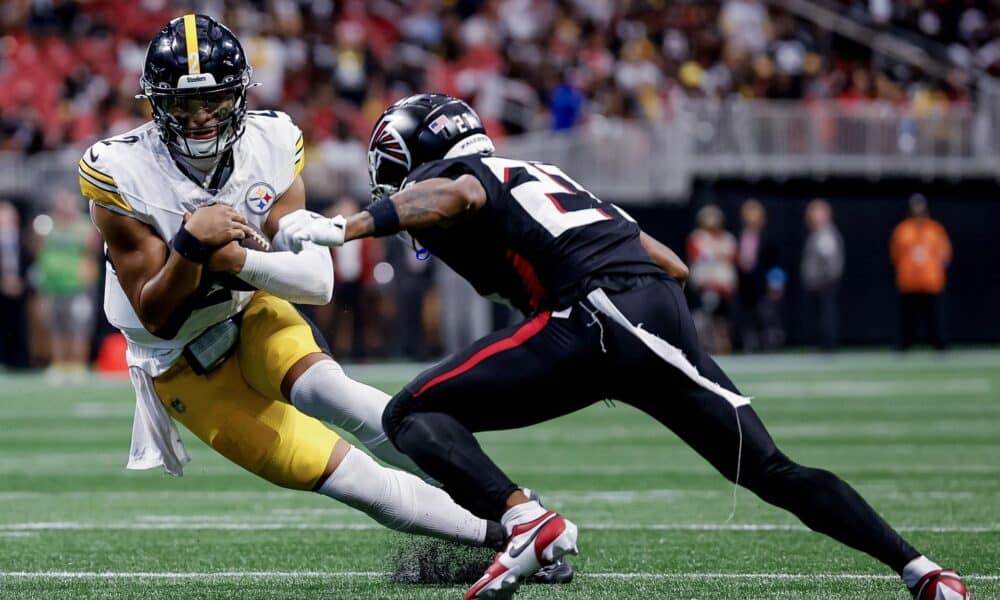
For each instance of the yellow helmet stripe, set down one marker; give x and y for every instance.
(191, 39)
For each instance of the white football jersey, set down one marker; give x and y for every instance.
(135, 175)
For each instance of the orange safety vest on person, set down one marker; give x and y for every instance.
(920, 251)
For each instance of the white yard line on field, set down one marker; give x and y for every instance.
(162, 497)
(771, 527)
(184, 526)
(669, 469)
(198, 524)
(184, 574)
(881, 388)
(779, 576)
(371, 574)
(857, 361)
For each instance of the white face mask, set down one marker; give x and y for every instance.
(203, 148)
(204, 157)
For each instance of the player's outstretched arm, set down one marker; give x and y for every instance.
(156, 278)
(437, 200)
(302, 278)
(665, 257)
(423, 204)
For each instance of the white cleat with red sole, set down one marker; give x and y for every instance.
(531, 546)
(941, 584)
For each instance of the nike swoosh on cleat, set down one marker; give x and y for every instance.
(517, 551)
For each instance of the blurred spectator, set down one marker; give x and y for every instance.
(822, 269)
(521, 63)
(566, 106)
(711, 252)
(66, 271)
(13, 291)
(70, 69)
(344, 320)
(413, 280)
(757, 255)
(920, 252)
(772, 334)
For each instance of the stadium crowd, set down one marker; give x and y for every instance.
(524, 64)
(69, 71)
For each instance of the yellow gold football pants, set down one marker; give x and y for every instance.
(238, 409)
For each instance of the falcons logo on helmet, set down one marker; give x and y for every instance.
(386, 143)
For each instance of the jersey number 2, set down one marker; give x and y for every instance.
(537, 197)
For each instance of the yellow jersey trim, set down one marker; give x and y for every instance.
(89, 170)
(102, 196)
(191, 40)
(300, 161)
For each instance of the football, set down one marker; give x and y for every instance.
(256, 241)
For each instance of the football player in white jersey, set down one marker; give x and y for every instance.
(213, 339)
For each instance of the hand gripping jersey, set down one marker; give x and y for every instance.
(135, 175)
(540, 242)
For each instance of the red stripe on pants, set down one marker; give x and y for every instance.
(522, 335)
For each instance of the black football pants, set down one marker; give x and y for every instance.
(557, 363)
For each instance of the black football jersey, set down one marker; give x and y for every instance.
(540, 242)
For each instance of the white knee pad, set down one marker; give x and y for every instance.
(324, 391)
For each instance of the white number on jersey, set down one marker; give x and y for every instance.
(537, 197)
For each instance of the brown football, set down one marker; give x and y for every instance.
(256, 241)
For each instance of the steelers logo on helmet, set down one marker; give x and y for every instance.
(260, 197)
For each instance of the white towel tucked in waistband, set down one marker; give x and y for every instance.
(661, 348)
(155, 441)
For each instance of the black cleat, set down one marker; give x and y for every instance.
(560, 571)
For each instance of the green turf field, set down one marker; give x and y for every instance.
(919, 437)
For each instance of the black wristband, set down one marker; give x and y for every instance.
(384, 217)
(190, 247)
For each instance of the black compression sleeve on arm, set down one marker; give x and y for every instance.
(384, 217)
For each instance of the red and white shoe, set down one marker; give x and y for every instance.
(531, 546)
(942, 584)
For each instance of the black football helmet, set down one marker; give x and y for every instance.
(196, 64)
(419, 129)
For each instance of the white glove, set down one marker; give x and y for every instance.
(310, 226)
(293, 220)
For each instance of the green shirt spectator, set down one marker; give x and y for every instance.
(64, 262)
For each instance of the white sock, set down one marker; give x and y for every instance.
(325, 392)
(401, 501)
(917, 568)
(521, 513)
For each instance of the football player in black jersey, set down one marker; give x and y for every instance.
(606, 318)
